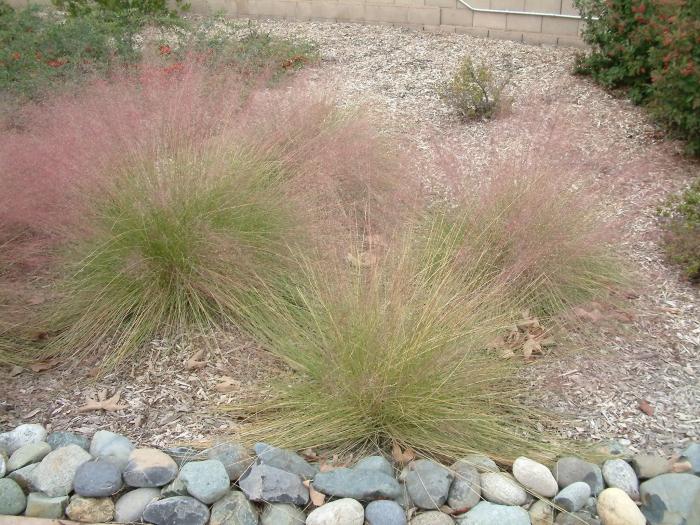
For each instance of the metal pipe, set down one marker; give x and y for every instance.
(510, 12)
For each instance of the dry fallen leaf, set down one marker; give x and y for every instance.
(16, 370)
(315, 496)
(103, 403)
(227, 384)
(326, 467)
(681, 466)
(195, 362)
(402, 456)
(530, 347)
(31, 414)
(645, 407)
(40, 366)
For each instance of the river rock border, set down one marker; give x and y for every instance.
(107, 479)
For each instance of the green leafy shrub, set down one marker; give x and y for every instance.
(124, 9)
(682, 237)
(650, 49)
(40, 49)
(247, 49)
(474, 92)
(392, 353)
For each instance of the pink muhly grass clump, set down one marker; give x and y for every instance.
(172, 193)
(534, 221)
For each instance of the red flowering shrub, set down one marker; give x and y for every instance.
(651, 48)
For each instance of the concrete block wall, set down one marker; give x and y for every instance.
(528, 21)
(550, 22)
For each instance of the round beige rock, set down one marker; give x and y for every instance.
(535, 477)
(344, 511)
(498, 487)
(615, 507)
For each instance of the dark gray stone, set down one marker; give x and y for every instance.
(97, 479)
(428, 484)
(573, 497)
(233, 509)
(284, 460)
(12, 499)
(235, 458)
(205, 480)
(149, 467)
(61, 439)
(42, 506)
(486, 513)
(111, 447)
(180, 510)
(620, 474)
(379, 463)
(669, 498)
(273, 485)
(465, 491)
(385, 513)
(129, 507)
(55, 474)
(360, 484)
(571, 469)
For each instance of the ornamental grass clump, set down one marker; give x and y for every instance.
(535, 225)
(393, 353)
(171, 195)
(175, 243)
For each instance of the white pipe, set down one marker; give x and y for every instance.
(510, 12)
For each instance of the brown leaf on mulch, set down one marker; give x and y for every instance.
(104, 403)
(196, 362)
(402, 456)
(40, 366)
(645, 407)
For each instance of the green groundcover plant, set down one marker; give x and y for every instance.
(682, 236)
(40, 48)
(651, 49)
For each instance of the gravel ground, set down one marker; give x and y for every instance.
(652, 356)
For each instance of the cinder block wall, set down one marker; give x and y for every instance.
(531, 21)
